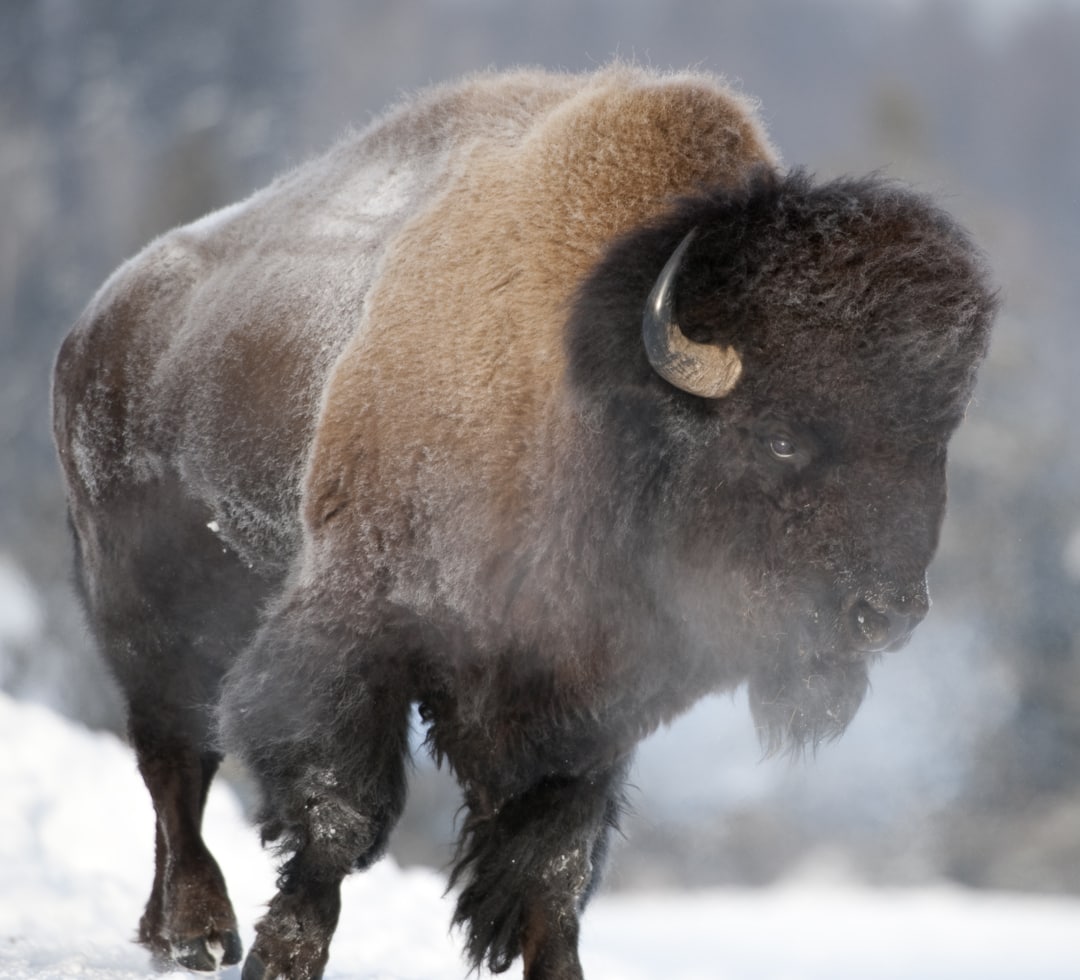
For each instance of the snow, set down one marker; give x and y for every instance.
(76, 856)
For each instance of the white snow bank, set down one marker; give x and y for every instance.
(76, 845)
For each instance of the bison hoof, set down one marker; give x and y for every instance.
(292, 941)
(208, 955)
(255, 969)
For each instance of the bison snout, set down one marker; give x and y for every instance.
(881, 624)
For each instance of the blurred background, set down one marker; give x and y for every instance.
(118, 121)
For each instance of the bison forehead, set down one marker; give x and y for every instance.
(844, 288)
(853, 289)
(910, 384)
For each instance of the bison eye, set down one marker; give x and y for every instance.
(789, 448)
(782, 447)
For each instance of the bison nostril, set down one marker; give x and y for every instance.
(875, 629)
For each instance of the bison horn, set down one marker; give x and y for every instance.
(701, 369)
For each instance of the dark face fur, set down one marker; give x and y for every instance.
(793, 519)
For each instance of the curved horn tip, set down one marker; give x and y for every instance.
(705, 370)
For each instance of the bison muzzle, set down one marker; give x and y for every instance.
(549, 404)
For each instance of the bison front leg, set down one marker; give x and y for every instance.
(529, 864)
(319, 712)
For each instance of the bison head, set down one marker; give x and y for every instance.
(780, 436)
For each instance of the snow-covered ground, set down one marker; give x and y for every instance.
(76, 856)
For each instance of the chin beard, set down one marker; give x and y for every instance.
(802, 702)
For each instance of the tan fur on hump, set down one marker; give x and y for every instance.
(463, 350)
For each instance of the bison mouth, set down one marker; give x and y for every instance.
(802, 645)
(810, 672)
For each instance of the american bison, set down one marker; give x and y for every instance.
(547, 403)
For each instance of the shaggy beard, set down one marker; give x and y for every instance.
(805, 683)
(798, 703)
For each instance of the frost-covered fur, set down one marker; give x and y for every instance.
(386, 433)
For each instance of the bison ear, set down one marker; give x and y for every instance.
(705, 370)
